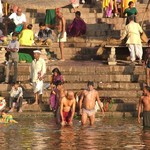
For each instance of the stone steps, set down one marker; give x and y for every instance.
(81, 85)
(92, 16)
(97, 78)
(84, 68)
(121, 107)
(115, 94)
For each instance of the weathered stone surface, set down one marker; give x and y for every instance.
(31, 108)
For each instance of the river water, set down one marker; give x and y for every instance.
(41, 133)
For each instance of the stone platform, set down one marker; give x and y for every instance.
(122, 82)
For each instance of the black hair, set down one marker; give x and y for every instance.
(148, 42)
(58, 83)
(4, 111)
(90, 83)
(147, 88)
(56, 70)
(15, 34)
(131, 18)
(29, 26)
(41, 24)
(78, 13)
(130, 3)
(17, 82)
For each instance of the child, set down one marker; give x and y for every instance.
(147, 63)
(13, 48)
(16, 96)
(6, 118)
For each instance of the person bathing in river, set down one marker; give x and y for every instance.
(87, 104)
(67, 108)
(60, 94)
(145, 103)
(6, 118)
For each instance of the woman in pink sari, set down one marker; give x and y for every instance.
(53, 96)
(77, 27)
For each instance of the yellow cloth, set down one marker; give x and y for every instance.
(125, 3)
(26, 37)
(106, 3)
(132, 31)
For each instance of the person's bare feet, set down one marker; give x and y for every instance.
(20, 111)
(35, 103)
(62, 59)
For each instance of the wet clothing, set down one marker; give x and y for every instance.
(66, 116)
(8, 118)
(53, 97)
(146, 118)
(54, 100)
(89, 112)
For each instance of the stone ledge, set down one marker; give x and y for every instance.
(50, 114)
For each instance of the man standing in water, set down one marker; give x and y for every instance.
(38, 71)
(62, 37)
(145, 102)
(67, 109)
(60, 94)
(88, 102)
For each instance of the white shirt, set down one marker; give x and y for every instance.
(133, 31)
(16, 92)
(18, 19)
(38, 66)
(1, 9)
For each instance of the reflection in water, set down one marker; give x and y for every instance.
(42, 133)
(146, 138)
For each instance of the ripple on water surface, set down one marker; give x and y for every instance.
(42, 133)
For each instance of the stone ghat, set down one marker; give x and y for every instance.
(123, 83)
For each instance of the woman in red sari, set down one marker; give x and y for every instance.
(77, 27)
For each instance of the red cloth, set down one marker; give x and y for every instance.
(66, 116)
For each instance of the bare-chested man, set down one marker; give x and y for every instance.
(145, 102)
(88, 102)
(67, 109)
(62, 37)
(60, 94)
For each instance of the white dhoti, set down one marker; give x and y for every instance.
(60, 39)
(135, 50)
(75, 3)
(38, 87)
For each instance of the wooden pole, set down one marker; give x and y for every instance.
(145, 13)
